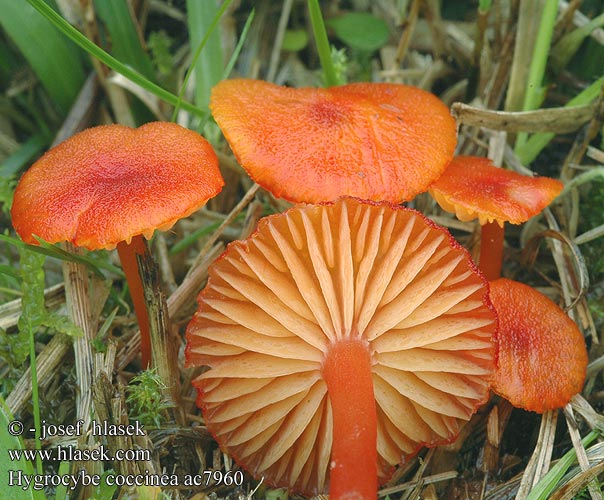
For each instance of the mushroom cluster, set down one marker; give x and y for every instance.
(345, 334)
(284, 322)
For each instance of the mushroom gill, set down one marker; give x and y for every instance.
(320, 279)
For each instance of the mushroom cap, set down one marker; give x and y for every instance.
(375, 141)
(542, 356)
(315, 275)
(112, 182)
(472, 187)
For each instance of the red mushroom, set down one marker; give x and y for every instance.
(542, 356)
(473, 187)
(376, 141)
(111, 185)
(340, 338)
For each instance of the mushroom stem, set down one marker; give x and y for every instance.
(347, 373)
(491, 250)
(128, 253)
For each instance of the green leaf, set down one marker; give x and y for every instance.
(10, 442)
(242, 38)
(295, 40)
(360, 30)
(54, 60)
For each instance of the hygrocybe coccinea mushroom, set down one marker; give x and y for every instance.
(542, 356)
(340, 338)
(111, 185)
(472, 187)
(375, 141)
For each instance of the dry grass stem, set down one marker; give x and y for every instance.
(540, 460)
(556, 120)
(47, 362)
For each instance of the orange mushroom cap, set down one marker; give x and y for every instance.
(374, 141)
(472, 187)
(347, 274)
(542, 355)
(110, 183)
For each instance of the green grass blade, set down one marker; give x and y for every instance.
(191, 238)
(318, 27)
(125, 42)
(547, 484)
(204, 34)
(533, 97)
(237, 51)
(110, 61)
(58, 253)
(528, 151)
(62, 492)
(569, 44)
(196, 55)
(55, 61)
(32, 312)
(10, 442)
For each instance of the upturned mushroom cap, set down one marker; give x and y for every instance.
(310, 278)
(472, 187)
(374, 141)
(542, 356)
(110, 183)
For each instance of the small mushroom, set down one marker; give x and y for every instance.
(472, 187)
(340, 338)
(111, 185)
(542, 357)
(375, 141)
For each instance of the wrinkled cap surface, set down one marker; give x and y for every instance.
(318, 274)
(374, 141)
(472, 187)
(542, 356)
(110, 183)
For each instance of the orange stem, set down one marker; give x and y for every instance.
(491, 250)
(347, 373)
(128, 253)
